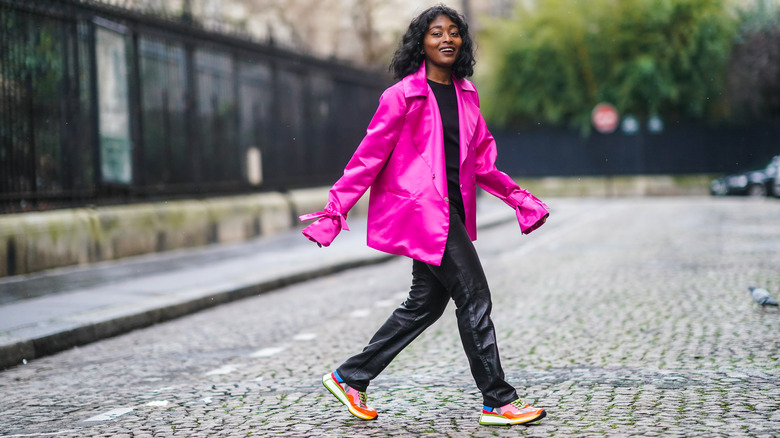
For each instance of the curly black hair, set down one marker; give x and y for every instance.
(408, 57)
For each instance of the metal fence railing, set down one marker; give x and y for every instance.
(680, 149)
(104, 105)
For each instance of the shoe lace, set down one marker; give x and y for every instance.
(518, 403)
(363, 398)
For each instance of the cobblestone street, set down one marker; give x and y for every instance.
(621, 317)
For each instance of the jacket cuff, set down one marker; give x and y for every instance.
(531, 212)
(329, 225)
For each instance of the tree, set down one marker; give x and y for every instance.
(554, 61)
(346, 29)
(754, 70)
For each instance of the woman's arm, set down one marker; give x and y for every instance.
(531, 212)
(372, 153)
(362, 169)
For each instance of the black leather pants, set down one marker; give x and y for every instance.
(461, 278)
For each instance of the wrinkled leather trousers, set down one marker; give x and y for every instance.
(461, 278)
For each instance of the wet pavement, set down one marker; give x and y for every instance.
(627, 317)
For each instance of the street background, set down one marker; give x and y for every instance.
(621, 317)
(155, 157)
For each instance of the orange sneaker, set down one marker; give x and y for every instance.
(352, 398)
(513, 413)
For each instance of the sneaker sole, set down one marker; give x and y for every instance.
(337, 392)
(499, 420)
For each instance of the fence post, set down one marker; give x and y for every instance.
(193, 127)
(94, 119)
(135, 100)
(31, 163)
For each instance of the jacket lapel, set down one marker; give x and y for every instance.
(416, 84)
(427, 133)
(468, 113)
(425, 124)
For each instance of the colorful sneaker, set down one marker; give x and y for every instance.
(351, 397)
(513, 413)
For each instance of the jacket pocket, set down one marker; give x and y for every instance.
(401, 194)
(392, 208)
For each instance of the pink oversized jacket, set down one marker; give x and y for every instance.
(402, 159)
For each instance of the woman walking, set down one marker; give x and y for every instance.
(425, 151)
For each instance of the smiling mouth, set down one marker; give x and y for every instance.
(447, 50)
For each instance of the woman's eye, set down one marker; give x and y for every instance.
(436, 34)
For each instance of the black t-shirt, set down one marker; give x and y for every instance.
(447, 100)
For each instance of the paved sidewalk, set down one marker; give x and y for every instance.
(45, 313)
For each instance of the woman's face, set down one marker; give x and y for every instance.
(442, 42)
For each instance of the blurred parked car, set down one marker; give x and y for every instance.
(763, 182)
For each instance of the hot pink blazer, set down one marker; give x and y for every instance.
(402, 159)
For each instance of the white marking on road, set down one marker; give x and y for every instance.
(386, 303)
(360, 313)
(206, 400)
(225, 369)
(158, 403)
(41, 433)
(304, 336)
(167, 388)
(267, 352)
(110, 415)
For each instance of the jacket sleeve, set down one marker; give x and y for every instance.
(531, 212)
(362, 169)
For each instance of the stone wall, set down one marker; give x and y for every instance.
(32, 242)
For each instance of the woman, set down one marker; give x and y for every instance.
(426, 149)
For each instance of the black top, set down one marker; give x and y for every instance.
(448, 108)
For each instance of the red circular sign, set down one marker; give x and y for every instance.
(605, 118)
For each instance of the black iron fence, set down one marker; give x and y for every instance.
(104, 105)
(677, 149)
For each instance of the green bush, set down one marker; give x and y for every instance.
(553, 62)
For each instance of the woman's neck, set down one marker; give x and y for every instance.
(442, 76)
